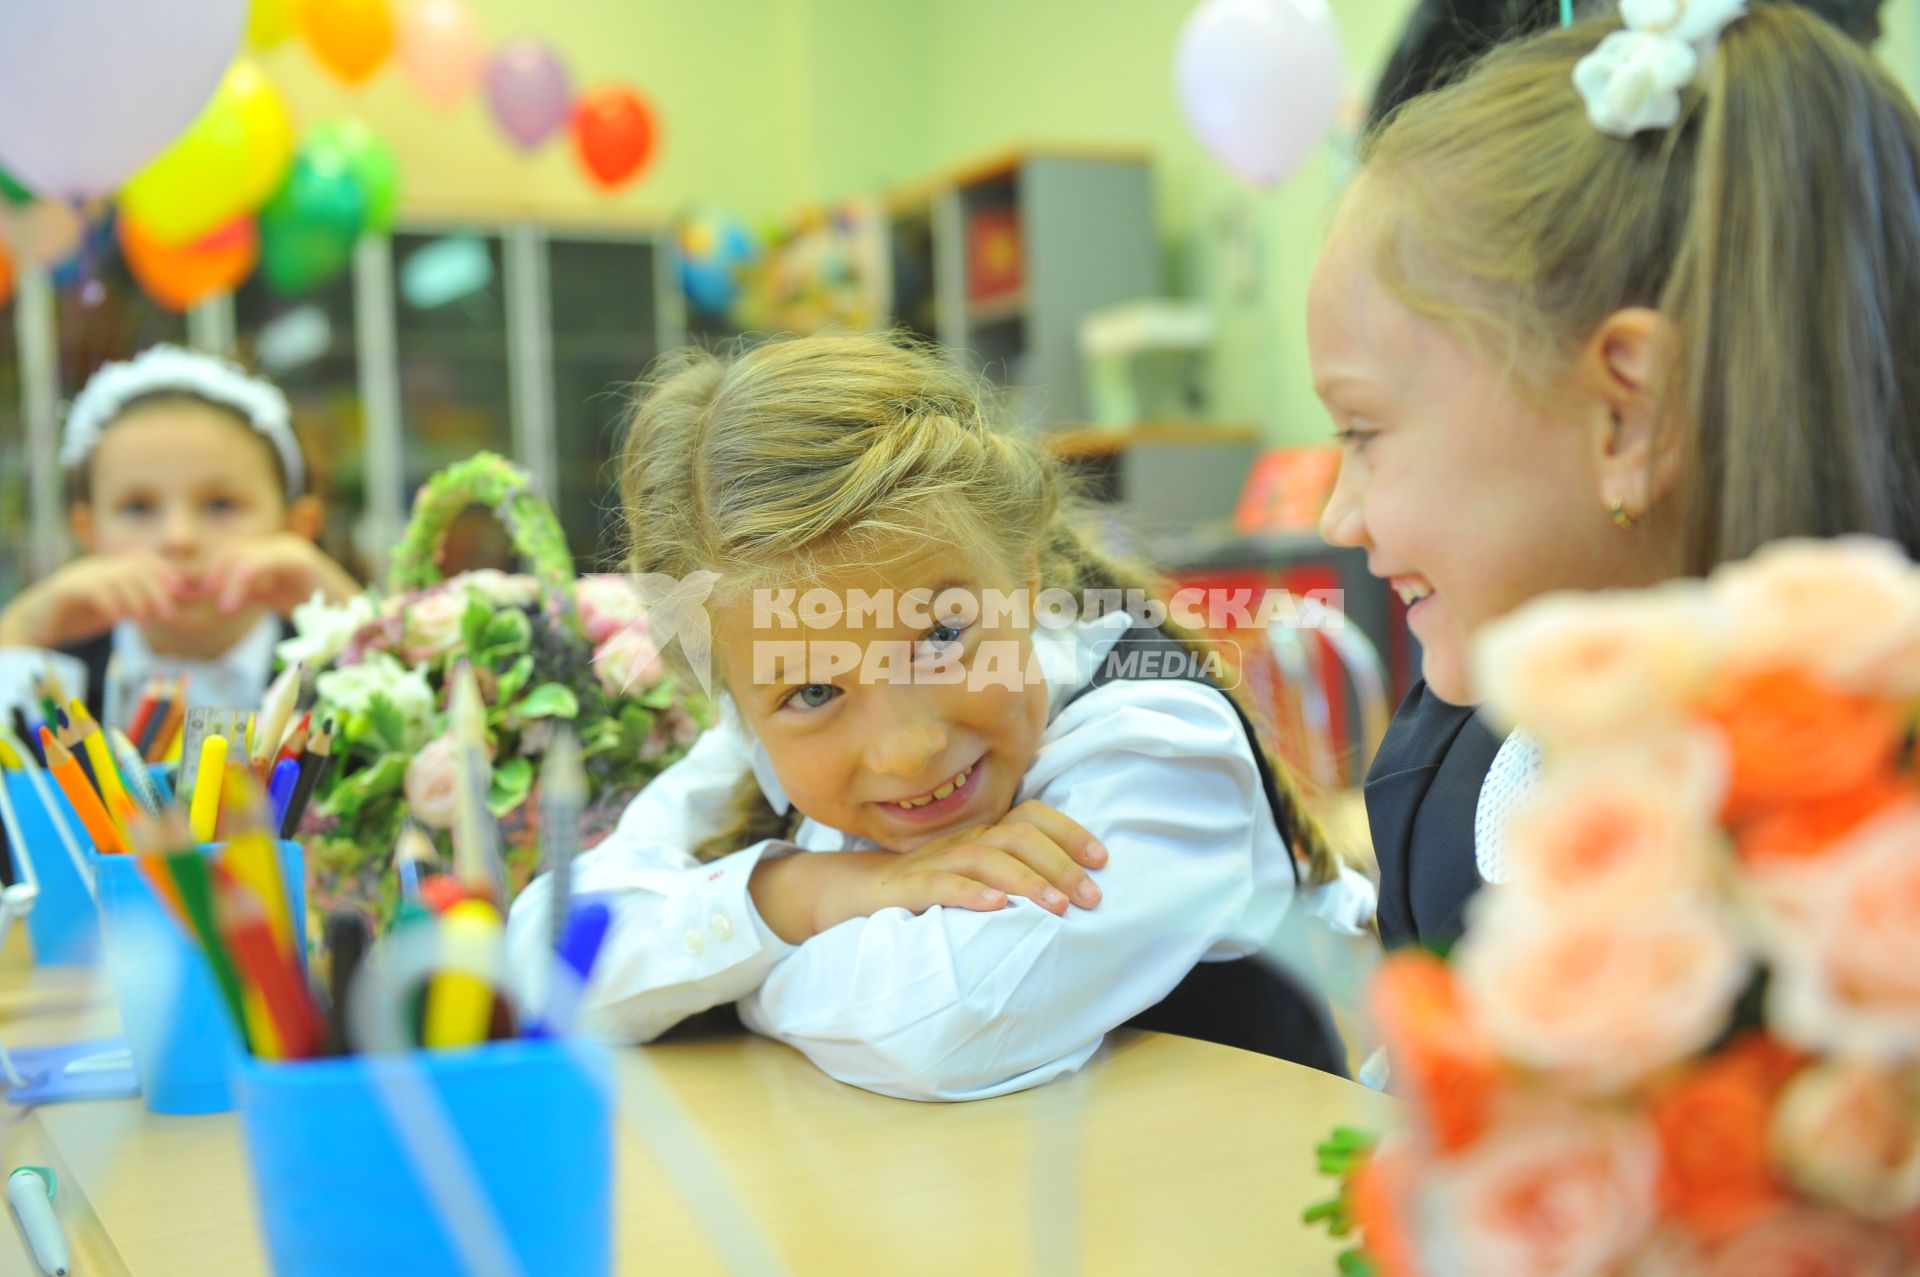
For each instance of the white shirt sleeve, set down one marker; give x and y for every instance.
(954, 1004)
(685, 935)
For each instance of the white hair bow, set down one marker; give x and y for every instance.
(1632, 81)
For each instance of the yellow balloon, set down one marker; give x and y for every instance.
(269, 22)
(228, 162)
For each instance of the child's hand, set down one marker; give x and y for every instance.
(1032, 851)
(278, 573)
(90, 595)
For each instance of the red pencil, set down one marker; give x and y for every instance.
(263, 966)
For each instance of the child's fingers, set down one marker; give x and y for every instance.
(1040, 855)
(956, 891)
(1066, 832)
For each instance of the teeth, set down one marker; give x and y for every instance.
(942, 792)
(1411, 593)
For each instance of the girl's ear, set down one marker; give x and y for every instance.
(80, 521)
(1622, 372)
(306, 517)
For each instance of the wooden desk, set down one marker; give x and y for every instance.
(1164, 1156)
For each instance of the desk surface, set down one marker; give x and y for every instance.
(1165, 1155)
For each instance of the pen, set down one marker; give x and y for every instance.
(30, 1189)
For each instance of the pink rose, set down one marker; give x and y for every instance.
(1846, 609)
(1850, 1133)
(628, 663)
(432, 784)
(608, 604)
(432, 626)
(1630, 829)
(1846, 944)
(1806, 1243)
(1572, 667)
(1547, 1192)
(1598, 997)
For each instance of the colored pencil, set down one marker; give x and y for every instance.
(85, 799)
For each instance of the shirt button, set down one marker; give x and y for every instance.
(695, 942)
(720, 925)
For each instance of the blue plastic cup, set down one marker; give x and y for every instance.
(64, 927)
(182, 1037)
(521, 1130)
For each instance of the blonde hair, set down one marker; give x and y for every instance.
(759, 465)
(1776, 227)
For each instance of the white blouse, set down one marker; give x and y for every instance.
(955, 1004)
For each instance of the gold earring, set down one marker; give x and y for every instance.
(1621, 519)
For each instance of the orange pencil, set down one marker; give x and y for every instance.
(170, 725)
(86, 803)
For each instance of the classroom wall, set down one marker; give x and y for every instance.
(772, 104)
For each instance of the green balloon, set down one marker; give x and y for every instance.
(14, 193)
(308, 229)
(370, 158)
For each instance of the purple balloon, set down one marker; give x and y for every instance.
(529, 92)
(1260, 82)
(92, 89)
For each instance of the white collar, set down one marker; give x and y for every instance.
(1068, 657)
(236, 678)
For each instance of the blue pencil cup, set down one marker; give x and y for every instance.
(529, 1129)
(64, 927)
(182, 1038)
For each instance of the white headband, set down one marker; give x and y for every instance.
(1632, 81)
(160, 369)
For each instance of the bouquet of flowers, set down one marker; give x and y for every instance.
(1683, 1038)
(544, 647)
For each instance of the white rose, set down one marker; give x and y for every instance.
(322, 629)
(497, 587)
(352, 688)
(433, 625)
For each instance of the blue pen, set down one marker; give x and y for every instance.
(578, 950)
(286, 773)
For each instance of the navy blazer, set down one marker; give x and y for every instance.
(1422, 791)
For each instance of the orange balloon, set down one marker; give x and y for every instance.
(6, 277)
(177, 276)
(351, 38)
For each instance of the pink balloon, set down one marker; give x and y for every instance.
(1260, 82)
(440, 50)
(529, 92)
(92, 89)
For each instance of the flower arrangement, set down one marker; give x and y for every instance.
(1684, 1038)
(545, 648)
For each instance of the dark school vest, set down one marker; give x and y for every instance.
(1249, 1003)
(1422, 792)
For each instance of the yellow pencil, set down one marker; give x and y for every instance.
(254, 861)
(204, 814)
(9, 757)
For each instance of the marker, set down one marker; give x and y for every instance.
(30, 1189)
(209, 774)
(460, 998)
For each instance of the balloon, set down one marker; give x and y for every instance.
(350, 38)
(268, 23)
(308, 229)
(440, 50)
(370, 160)
(1260, 82)
(528, 89)
(177, 277)
(6, 276)
(12, 192)
(614, 132)
(714, 248)
(227, 163)
(92, 89)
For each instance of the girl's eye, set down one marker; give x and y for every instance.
(138, 508)
(223, 505)
(812, 696)
(1351, 438)
(942, 637)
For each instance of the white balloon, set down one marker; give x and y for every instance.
(92, 89)
(1260, 81)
